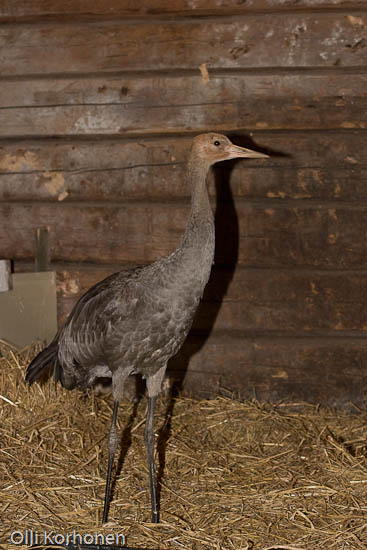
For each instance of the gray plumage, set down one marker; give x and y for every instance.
(134, 321)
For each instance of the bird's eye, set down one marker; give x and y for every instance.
(217, 143)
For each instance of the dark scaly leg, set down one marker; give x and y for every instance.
(112, 447)
(154, 384)
(149, 442)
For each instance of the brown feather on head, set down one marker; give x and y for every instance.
(214, 148)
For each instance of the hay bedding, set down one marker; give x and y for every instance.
(233, 475)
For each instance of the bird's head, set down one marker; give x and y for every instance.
(212, 148)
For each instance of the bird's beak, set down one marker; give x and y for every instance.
(241, 152)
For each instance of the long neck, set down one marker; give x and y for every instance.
(200, 219)
(194, 257)
(190, 264)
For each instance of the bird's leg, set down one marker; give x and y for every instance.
(149, 442)
(154, 385)
(112, 447)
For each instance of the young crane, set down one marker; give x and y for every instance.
(134, 321)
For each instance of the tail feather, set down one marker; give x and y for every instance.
(47, 359)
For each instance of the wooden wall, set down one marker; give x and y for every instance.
(98, 103)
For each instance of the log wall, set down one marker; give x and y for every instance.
(98, 104)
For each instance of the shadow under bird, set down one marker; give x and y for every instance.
(135, 320)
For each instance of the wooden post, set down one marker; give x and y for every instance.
(42, 249)
(5, 276)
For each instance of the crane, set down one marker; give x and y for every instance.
(135, 320)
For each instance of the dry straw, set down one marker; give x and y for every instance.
(233, 475)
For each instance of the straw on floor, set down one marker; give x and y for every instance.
(233, 475)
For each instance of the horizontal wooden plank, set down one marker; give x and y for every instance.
(256, 299)
(277, 301)
(250, 234)
(124, 106)
(188, 90)
(298, 40)
(33, 10)
(328, 371)
(329, 166)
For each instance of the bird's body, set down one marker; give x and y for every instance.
(135, 320)
(131, 322)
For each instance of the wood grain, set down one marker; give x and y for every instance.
(317, 370)
(65, 10)
(154, 105)
(328, 167)
(269, 40)
(310, 302)
(255, 235)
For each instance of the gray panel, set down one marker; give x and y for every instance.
(28, 311)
